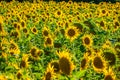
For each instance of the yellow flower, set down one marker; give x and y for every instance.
(117, 49)
(2, 77)
(19, 74)
(24, 63)
(48, 41)
(55, 65)
(71, 33)
(98, 62)
(84, 62)
(87, 40)
(35, 53)
(45, 32)
(109, 75)
(109, 56)
(49, 74)
(65, 64)
(34, 30)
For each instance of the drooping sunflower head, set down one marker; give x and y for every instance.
(65, 64)
(109, 74)
(87, 40)
(98, 62)
(110, 57)
(71, 33)
(49, 74)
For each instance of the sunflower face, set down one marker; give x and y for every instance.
(34, 30)
(71, 33)
(49, 74)
(48, 42)
(98, 63)
(64, 65)
(83, 63)
(87, 41)
(110, 57)
(45, 33)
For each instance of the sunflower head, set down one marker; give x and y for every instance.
(109, 74)
(19, 74)
(48, 42)
(15, 34)
(35, 53)
(55, 65)
(98, 62)
(34, 30)
(49, 74)
(24, 62)
(84, 62)
(65, 64)
(87, 40)
(45, 32)
(71, 33)
(117, 49)
(110, 57)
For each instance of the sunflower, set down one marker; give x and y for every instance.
(24, 63)
(13, 45)
(23, 24)
(55, 65)
(87, 40)
(102, 24)
(45, 32)
(84, 62)
(25, 30)
(34, 30)
(103, 12)
(49, 74)
(116, 25)
(71, 33)
(19, 74)
(58, 13)
(2, 77)
(98, 62)
(110, 57)
(117, 49)
(35, 53)
(109, 75)
(48, 42)
(65, 64)
(107, 44)
(15, 34)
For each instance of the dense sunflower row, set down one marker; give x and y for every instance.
(59, 41)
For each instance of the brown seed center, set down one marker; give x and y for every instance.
(71, 32)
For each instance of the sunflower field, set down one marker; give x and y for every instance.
(48, 40)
